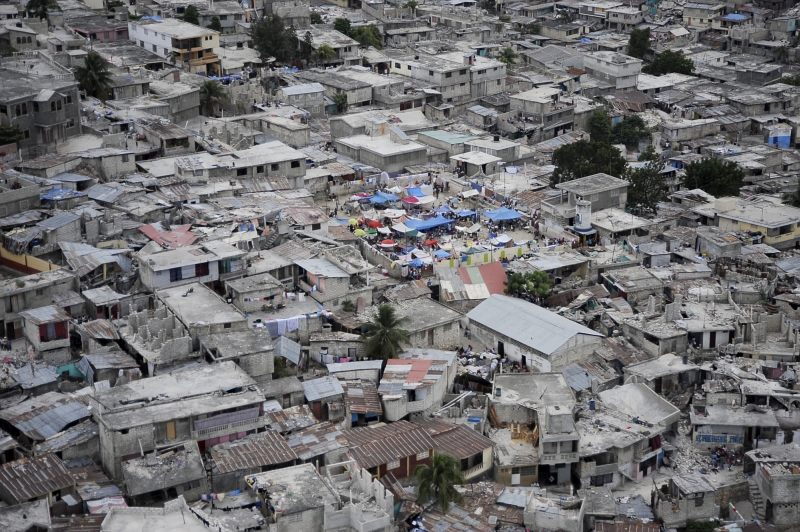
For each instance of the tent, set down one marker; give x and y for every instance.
(382, 197)
(411, 200)
(501, 214)
(465, 213)
(416, 263)
(443, 209)
(415, 192)
(424, 225)
(442, 254)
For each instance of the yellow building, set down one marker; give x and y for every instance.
(779, 224)
(187, 45)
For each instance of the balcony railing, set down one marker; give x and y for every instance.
(475, 470)
(558, 458)
(228, 428)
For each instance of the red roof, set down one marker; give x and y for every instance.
(419, 368)
(176, 238)
(492, 273)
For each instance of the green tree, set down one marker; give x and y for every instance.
(172, 55)
(716, 177)
(534, 283)
(316, 18)
(93, 77)
(307, 46)
(324, 53)
(646, 187)
(384, 335)
(489, 5)
(600, 127)
(792, 199)
(584, 158)
(629, 131)
(211, 94)
(39, 8)
(340, 99)
(436, 482)
(533, 28)
(412, 5)
(293, 43)
(638, 43)
(507, 56)
(348, 305)
(271, 39)
(565, 16)
(368, 36)
(342, 25)
(790, 80)
(667, 62)
(9, 134)
(649, 154)
(215, 24)
(192, 15)
(7, 50)
(700, 526)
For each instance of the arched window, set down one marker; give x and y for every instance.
(24, 108)
(18, 111)
(19, 40)
(58, 102)
(52, 106)
(29, 40)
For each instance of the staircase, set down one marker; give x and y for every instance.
(755, 498)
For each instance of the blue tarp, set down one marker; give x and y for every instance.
(416, 263)
(462, 214)
(383, 197)
(415, 192)
(423, 225)
(502, 214)
(442, 254)
(443, 209)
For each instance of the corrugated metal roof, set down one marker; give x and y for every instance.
(373, 446)
(317, 389)
(101, 329)
(529, 324)
(314, 441)
(30, 478)
(48, 314)
(83, 258)
(290, 419)
(31, 376)
(59, 220)
(258, 450)
(67, 298)
(362, 397)
(103, 295)
(42, 417)
(76, 435)
(459, 441)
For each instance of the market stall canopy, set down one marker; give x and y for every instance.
(423, 225)
(501, 214)
(442, 254)
(464, 213)
(443, 209)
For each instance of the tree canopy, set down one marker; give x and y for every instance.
(646, 187)
(9, 134)
(384, 335)
(507, 56)
(340, 99)
(585, 158)
(533, 283)
(39, 8)
(638, 43)
(629, 131)
(342, 25)
(272, 39)
(191, 15)
(667, 62)
(215, 24)
(436, 482)
(600, 126)
(93, 77)
(716, 177)
(792, 199)
(211, 94)
(316, 18)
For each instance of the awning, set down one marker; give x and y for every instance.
(469, 193)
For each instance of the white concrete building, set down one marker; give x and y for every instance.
(620, 70)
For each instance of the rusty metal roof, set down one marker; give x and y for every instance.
(362, 397)
(320, 439)
(459, 441)
(101, 329)
(83, 258)
(373, 446)
(258, 450)
(48, 314)
(67, 298)
(289, 419)
(30, 478)
(42, 417)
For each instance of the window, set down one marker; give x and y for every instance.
(223, 17)
(316, 227)
(394, 464)
(40, 291)
(52, 107)
(237, 17)
(295, 164)
(462, 72)
(498, 82)
(423, 455)
(163, 37)
(59, 105)
(201, 270)
(125, 158)
(146, 32)
(241, 171)
(155, 48)
(275, 167)
(71, 123)
(35, 107)
(259, 169)
(69, 98)
(397, 65)
(27, 134)
(24, 108)
(226, 326)
(105, 35)
(430, 72)
(175, 274)
(448, 75)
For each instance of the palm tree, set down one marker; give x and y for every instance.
(94, 77)
(39, 8)
(340, 99)
(793, 199)
(324, 53)
(172, 55)
(412, 5)
(437, 482)
(508, 56)
(384, 335)
(211, 94)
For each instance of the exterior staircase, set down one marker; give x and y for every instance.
(755, 497)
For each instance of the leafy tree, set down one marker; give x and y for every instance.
(39, 8)
(325, 52)
(271, 39)
(646, 187)
(412, 5)
(192, 15)
(436, 482)
(383, 334)
(638, 43)
(600, 127)
(342, 25)
(790, 80)
(340, 99)
(534, 283)
(716, 177)
(792, 199)
(7, 50)
(93, 77)
(629, 131)
(507, 56)
(489, 5)
(348, 305)
(316, 18)
(533, 28)
(211, 94)
(9, 134)
(700, 526)
(368, 36)
(307, 46)
(667, 62)
(215, 24)
(172, 55)
(584, 158)
(293, 43)
(565, 16)
(649, 154)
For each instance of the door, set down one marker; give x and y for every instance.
(712, 342)
(171, 430)
(524, 361)
(501, 349)
(658, 385)
(287, 400)
(430, 336)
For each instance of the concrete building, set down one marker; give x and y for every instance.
(47, 332)
(602, 190)
(37, 290)
(250, 294)
(687, 497)
(780, 224)
(192, 45)
(207, 405)
(384, 146)
(621, 71)
(307, 96)
(252, 350)
(772, 485)
(228, 12)
(403, 395)
(531, 335)
(191, 264)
